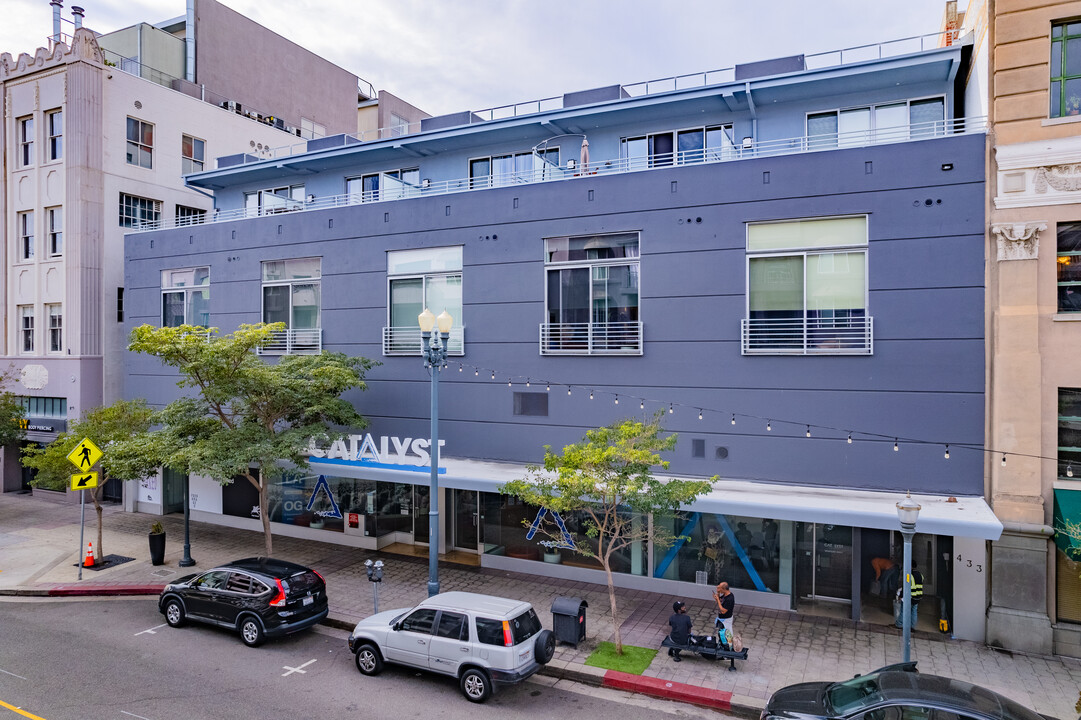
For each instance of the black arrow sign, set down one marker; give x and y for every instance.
(83, 481)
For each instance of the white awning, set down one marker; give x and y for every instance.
(964, 516)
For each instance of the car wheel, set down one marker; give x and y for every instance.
(174, 613)
(544, 647)
(369, 661)
(475, 685)
(251, 632)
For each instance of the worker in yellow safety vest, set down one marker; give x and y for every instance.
(915, 583)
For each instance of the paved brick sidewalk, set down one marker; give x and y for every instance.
(38, 541)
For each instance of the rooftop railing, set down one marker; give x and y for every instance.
(573, 169)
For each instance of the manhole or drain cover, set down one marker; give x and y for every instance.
(162, 573)
(109, 561)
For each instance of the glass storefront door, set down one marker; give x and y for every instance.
(421, 508)
(466, 514)
(823, 562)
(173, 491)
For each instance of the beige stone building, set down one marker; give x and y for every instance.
(1034, 323)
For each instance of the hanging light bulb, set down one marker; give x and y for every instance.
(642, 405)
(670, 410)
(895, 448)
(617, 399)
(1003, 459)
(808, 431)
(527, 382)
(509, 382)
(548, 387)
(460, 368)
(849, 438)
(476, 373)
(699, 413)
(769, 427)
(733, 418)
(568, 389)
(591, 394)
(947, 451)
(1069, 471)
(493, 374)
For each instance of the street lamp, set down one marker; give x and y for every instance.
(435, 356)
(908, 510)
(187, 561)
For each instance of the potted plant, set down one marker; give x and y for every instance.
(157, 544)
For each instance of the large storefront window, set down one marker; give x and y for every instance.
(745, 552)
(507, 524)
(1067, 524)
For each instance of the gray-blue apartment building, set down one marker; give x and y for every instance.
(786, 258)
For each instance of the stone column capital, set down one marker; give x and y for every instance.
(1019, 240)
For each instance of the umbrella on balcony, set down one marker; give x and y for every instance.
(583, 159)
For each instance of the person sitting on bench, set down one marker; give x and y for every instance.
(681, 628)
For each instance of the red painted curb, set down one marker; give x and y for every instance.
(87, 590)
(668, 689)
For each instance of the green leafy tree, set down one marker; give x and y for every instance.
(608, 478)
(11, 409)
(111, 429)
(242, 416)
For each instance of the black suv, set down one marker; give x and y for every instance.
(258, 597)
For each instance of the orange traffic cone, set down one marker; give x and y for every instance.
(89, 562)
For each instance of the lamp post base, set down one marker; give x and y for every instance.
(433, 588)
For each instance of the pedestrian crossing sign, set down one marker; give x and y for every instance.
(85, 455)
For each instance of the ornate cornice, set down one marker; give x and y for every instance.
(84, 46)
(1018, 241)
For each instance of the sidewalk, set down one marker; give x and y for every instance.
(38, 541)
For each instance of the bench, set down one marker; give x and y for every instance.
(709, 653)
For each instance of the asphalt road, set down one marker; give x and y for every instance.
(116, 659)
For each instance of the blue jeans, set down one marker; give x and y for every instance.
(898, 610)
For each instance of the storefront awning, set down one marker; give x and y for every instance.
(966, 517)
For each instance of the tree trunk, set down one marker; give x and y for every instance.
(612, 602)
(264, 514)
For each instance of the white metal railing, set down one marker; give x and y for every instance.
(611, 338)
(407, 341)
(308, 341)
(572, 169)
(807, 336)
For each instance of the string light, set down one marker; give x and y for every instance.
(670, 409)
(1003, 459)
(699, 413)
(493, 374)
(733, 418)
(1069, 471)
(476, 373)
(548, 387)
(768, 426)
(642, 405)
(527, 382)
(947, 451)
(568, 389)
(460, 368)
(808, 431)
(895, 448)
(617, 399)
(849, 438)
(591, 394)
(509, 384)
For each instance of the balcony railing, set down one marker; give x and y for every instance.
(613, 338)
(809, 336)
(295, 342)
(408, 341)
(573, 170)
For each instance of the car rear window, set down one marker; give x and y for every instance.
(303, 582)
(525, 626)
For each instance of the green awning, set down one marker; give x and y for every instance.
(1067, 509)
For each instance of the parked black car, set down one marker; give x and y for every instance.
(895, 692)
(258, 597)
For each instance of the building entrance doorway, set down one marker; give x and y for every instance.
(823, 568)
(466, 514)
(172, 491)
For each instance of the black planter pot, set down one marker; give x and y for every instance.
(157, 548)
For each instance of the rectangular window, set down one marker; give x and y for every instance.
(592, 295)
(138, 212)
(388, 185)
(1069, 433)
(44, 407)
(274, 200)
(185, 297)
(889, 122)
(189, 216)
(192, 153)
(26, 141)
(56, 328)
(54, 221)
(531, 404)
(309, 129)
(1065, 69)
(140, 143)
(26, 328)
(398, 125)
(120, 304)
(54, 129)
(292, 295)
(417, 279)
(1069, 267)
(693, 145)
(807, 287)
(514, 169)
(25, 222)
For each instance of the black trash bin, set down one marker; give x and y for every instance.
(569, 619)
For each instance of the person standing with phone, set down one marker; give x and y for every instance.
(726, 606)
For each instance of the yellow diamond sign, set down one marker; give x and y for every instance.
(83, 481)
(85, 455)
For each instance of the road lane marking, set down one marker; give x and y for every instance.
(20, 711)
(151, 631)
(12, 674)
(296, 669)
(134, 715)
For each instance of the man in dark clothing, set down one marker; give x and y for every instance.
(726, 605)
(681, 628)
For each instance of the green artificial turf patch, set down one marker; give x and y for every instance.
(634, 660)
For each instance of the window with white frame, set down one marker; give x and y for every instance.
(690, 145)
(25, 222)
(592, 294)
(417, 279)
(888, 122)
(185, 297)
(388, 185)
(274, 200)
(309, 129)
(137, 211)
(292, 295)
(140, 143)
(189, 216)
(1069, 268)
(807, 287)
(26, 328)
(54, 130)
(26, 141)
(56, 327)
(398, 125)
(54, 226)
(192, 153)
(513, 169)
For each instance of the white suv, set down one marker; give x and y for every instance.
(480, 639)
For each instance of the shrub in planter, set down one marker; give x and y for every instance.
(157, 544)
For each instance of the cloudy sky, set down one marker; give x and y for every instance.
(452, 55)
